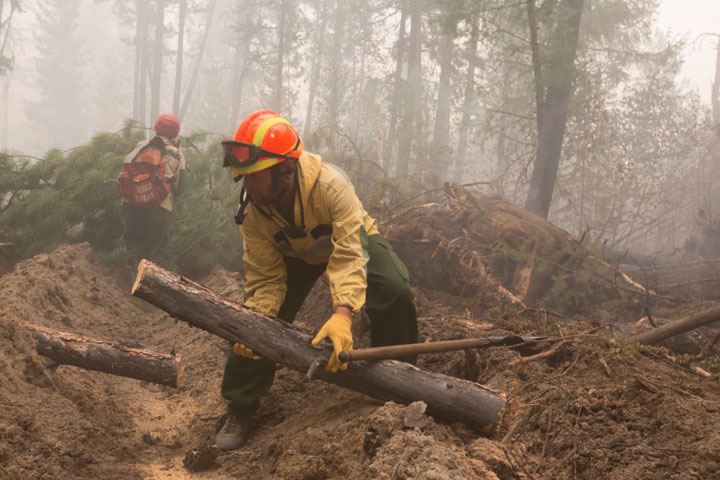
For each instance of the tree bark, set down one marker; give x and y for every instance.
(108, 357)
(447, 397)
(553, 111)
(660, 334)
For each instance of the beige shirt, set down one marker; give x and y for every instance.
(174, 163)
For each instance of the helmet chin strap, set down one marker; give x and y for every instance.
(275, 174)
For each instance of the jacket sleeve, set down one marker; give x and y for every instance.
(265, 272)
(347, 267)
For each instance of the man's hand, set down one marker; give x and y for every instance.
(243, 351)
(338, 329)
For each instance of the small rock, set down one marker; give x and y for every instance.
(201, 458)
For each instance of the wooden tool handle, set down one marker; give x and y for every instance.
(397, 351)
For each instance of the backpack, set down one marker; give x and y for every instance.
(143, 182)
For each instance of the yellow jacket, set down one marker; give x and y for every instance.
(336, 227)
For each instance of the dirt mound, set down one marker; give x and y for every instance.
(586, 409)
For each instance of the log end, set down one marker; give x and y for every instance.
(140, 268)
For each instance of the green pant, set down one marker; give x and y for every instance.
(388, 303)
(145, 233)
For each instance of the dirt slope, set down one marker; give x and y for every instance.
(590, 410)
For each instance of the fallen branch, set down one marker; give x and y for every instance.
(547, 353)
(108, 357)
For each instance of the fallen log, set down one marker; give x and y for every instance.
(108, 357)
(446, 397)
(657, 335)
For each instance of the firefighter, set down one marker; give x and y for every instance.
(299, 218)
(147, 213)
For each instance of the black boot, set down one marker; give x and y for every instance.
(235, 430)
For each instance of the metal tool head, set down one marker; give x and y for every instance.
(317, 363)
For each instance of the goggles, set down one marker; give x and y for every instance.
(242, 154)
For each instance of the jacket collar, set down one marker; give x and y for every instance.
(309, 166)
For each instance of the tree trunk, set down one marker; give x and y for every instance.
(536, 63)
(241, 64)
(657, 335)
(5, 112)
(441, 132)
(715, 94)
(158, 51)
(391, 140)
(108, 357)
(413, 92)
(467, 103)
(447, 397)
(179, 59)
(138, 59)
(316, 65)
(336, 71)
(198, 63)
(278, 90)
(553, 113)
(143, 63)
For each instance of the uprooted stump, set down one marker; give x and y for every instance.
(485, 247)
(446, 397)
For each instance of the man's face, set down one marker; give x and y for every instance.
(259, 186)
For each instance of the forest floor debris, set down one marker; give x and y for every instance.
(587, 408)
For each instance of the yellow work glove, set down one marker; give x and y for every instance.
(243, 351)
(338, 329)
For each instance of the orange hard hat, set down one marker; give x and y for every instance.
(270, 132)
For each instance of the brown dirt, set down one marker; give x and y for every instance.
(591, 410)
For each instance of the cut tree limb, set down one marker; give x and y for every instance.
(108, 357)
(670, 330)
(447, 397)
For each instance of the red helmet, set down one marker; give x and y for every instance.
(167, 125)
(262, 140)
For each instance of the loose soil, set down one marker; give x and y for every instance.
(591, 409)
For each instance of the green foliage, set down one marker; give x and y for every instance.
(72, 197)
(66, 197)
(621, 351)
